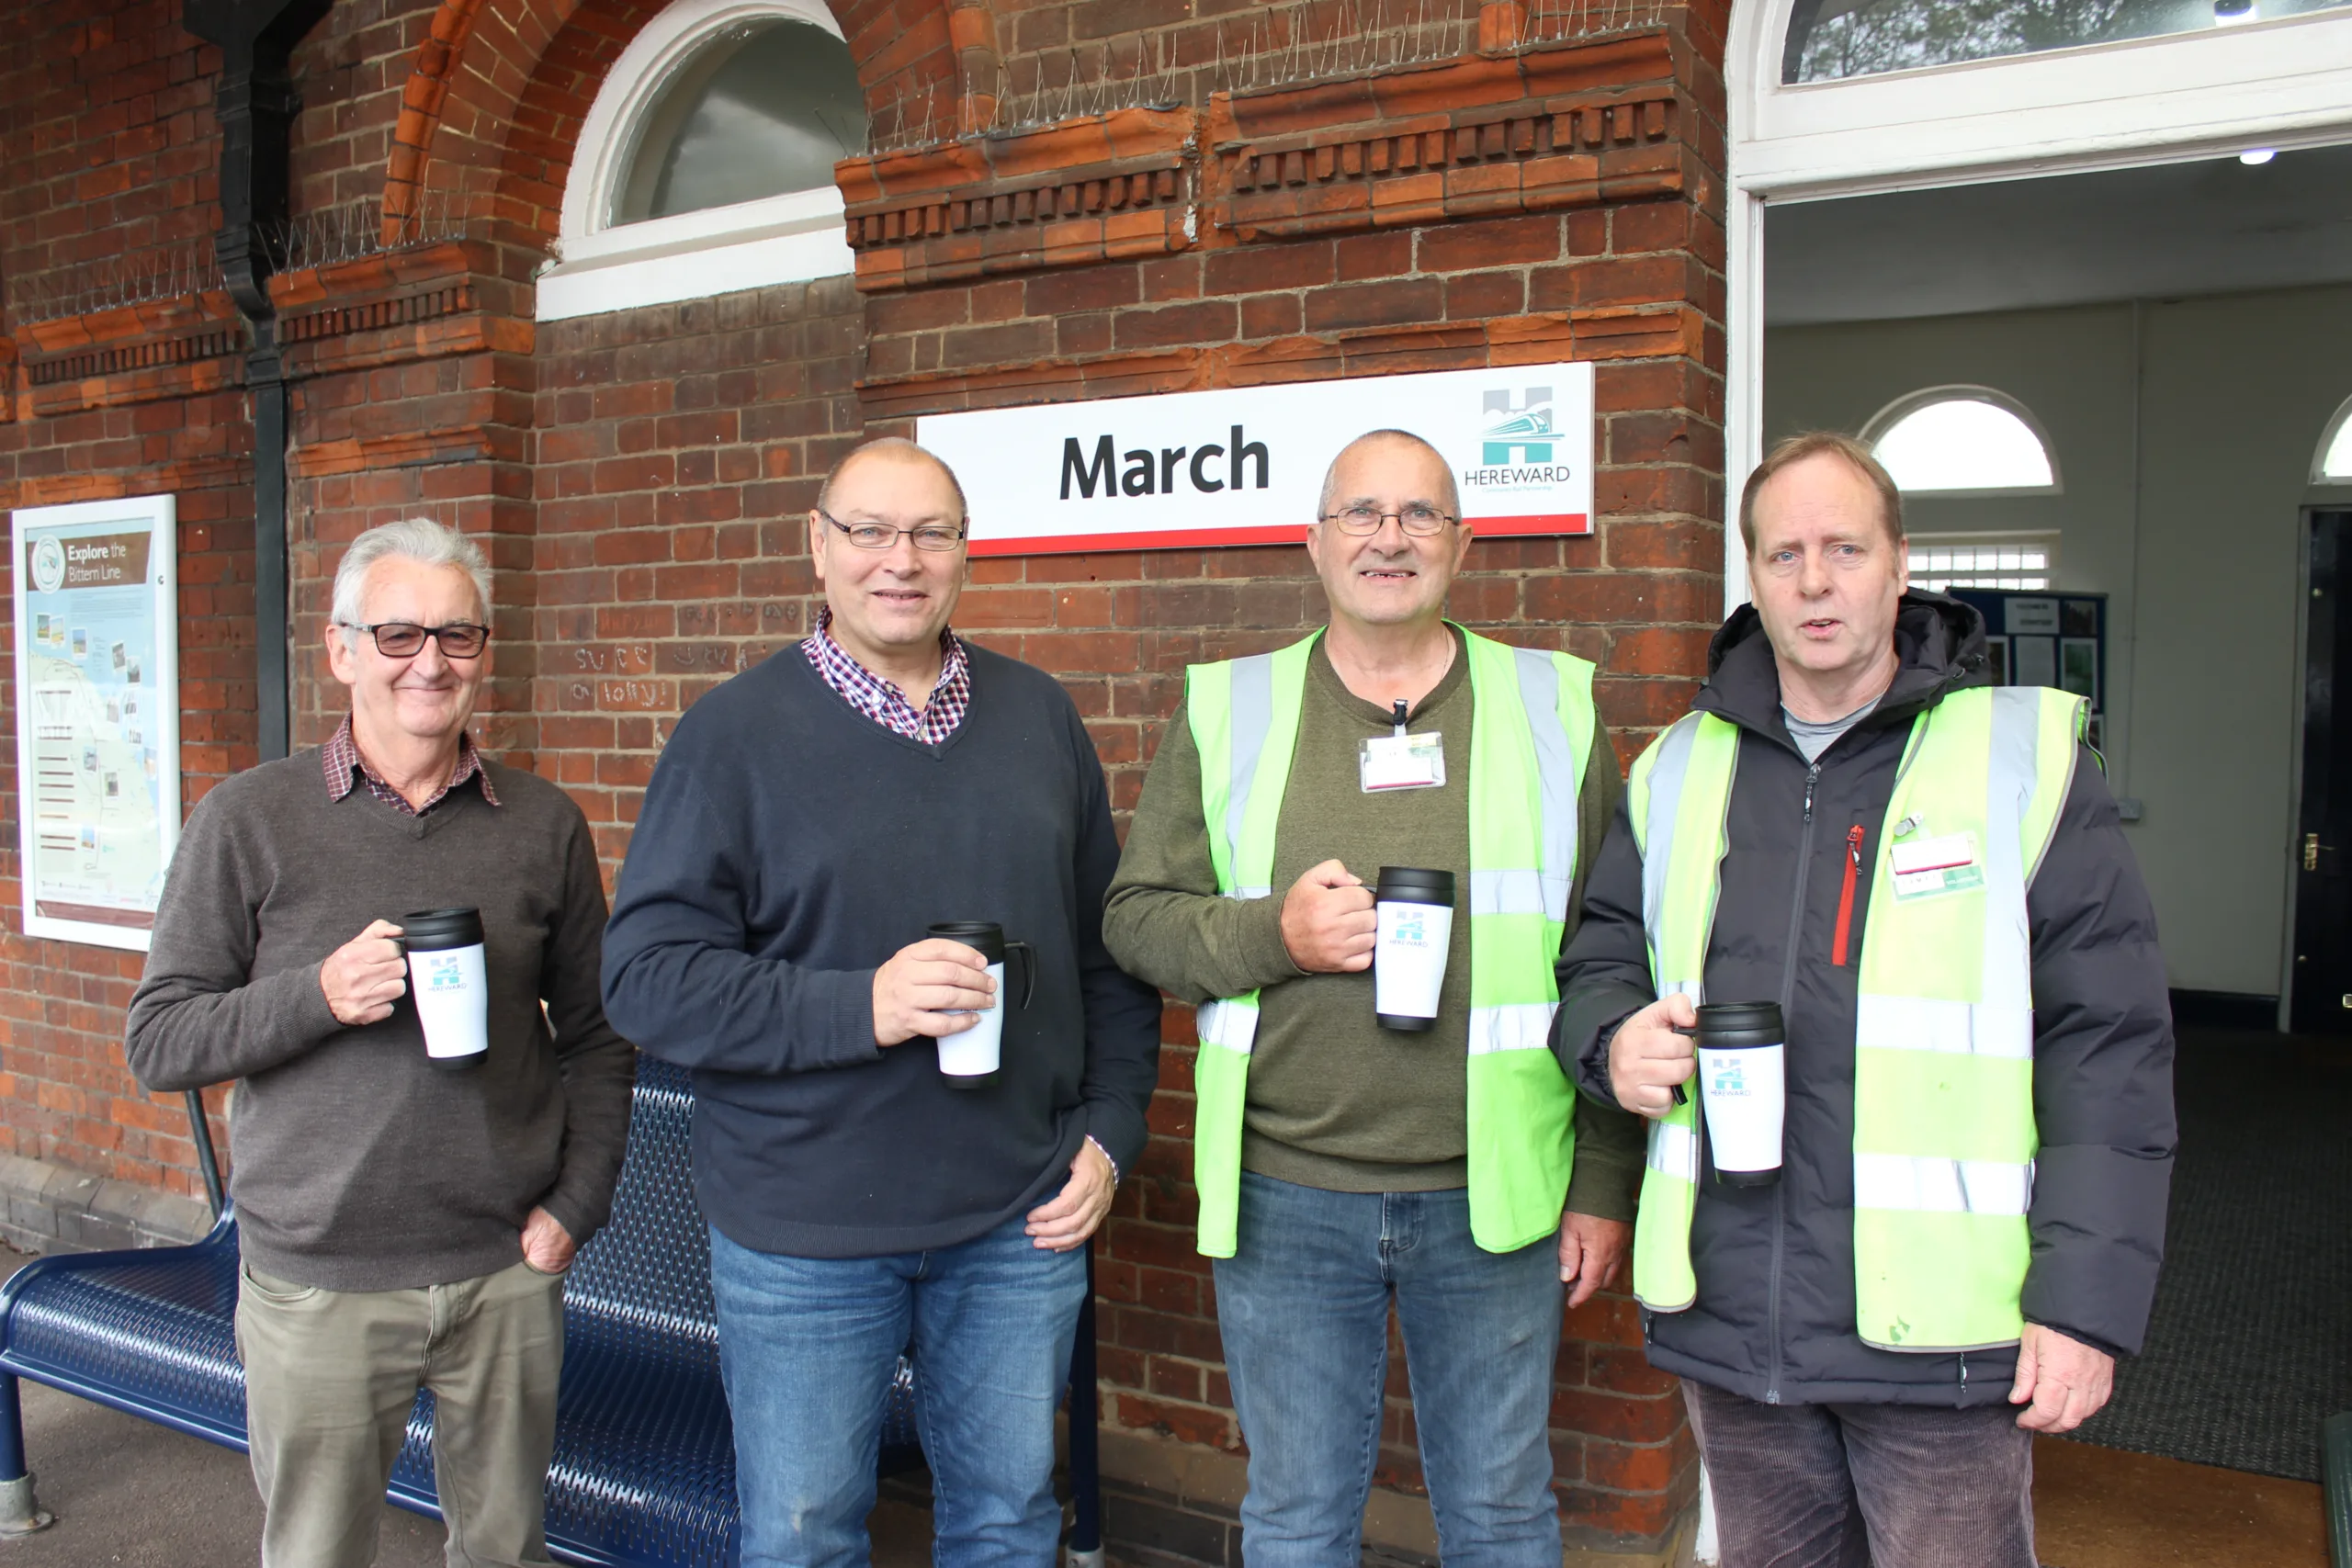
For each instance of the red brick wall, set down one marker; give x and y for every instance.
(680, 449)
(641, 477)
(108, 147)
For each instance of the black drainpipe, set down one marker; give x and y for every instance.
(255, 105)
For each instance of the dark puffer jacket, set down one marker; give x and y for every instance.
(1775, 1319)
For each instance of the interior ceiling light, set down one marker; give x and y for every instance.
(2256, 157)
(2229, 13)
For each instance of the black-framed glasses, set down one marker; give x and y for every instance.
(405, 639)
(935, 537)
(1418, 519)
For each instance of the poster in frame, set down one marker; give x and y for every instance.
(2078, 666)
(97, 633)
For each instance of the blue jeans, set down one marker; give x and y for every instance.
(1304, 1305)
(808, 1345)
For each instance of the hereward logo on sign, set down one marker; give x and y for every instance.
(1517, 441)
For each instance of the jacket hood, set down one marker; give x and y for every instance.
(1938, 644)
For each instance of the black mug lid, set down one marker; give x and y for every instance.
(1414, 884)
(433, 930)
(985, 936)
(1741, 1018)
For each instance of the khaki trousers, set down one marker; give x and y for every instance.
(330, 1376)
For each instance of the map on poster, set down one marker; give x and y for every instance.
(98, 715)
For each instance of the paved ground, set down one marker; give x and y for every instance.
(131, 1494)
(127, 1491)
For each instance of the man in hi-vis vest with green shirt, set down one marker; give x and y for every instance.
(1342, 1154)
(1926, 874)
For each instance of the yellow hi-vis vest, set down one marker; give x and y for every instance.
(1944, 1135)
(1532, 727)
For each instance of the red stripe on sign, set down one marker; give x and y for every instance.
(1165, 539)
(1194, 539)
(1548, 523)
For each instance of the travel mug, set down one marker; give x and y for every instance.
(1414, 911)
(445, 976)
(1741, 1090)
(969, 1057)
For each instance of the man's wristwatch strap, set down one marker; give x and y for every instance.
(1106, 1157)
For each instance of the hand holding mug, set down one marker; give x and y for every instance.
(1328, 921)
(366, 975)
(933, 986)
(1648, 1060)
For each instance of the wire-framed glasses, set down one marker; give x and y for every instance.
(1417, 518)
(935, 537)
(405, 639)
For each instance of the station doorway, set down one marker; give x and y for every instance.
(2177, 342)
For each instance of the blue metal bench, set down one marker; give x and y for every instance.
(644, 1467)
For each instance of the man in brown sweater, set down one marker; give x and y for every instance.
(1434, 1166)
(400, 1223)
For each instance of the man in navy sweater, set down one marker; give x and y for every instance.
(809, 820)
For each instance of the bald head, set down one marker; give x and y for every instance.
(891, 449)
(1448, 497)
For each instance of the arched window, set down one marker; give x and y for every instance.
(2333, 464)
(1831, 40)
(706, 164)
(1962, 441)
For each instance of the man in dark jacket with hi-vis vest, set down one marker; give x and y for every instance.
(1338, 1160)
(1928, 874)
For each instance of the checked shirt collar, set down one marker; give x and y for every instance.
(880, 701)
(342, 760)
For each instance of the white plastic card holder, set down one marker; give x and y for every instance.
(1401, 761)
(1929, 866)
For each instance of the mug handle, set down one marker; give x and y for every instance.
(1675, 1089)
(1028, 969)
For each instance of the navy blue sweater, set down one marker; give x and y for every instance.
(788, 847)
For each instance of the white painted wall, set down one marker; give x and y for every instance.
(2189, 519)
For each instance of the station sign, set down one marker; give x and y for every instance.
(1245, 464)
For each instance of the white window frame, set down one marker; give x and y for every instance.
(2044, 539)
(2327, 438)
(1902, 408)
(603, 267)
(2279, 83)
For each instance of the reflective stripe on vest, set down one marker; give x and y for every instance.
(1944, 1137)
(1677, 795)
(1525, 778)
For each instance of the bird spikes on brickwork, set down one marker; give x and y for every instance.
(331, 234)
(361, 229)
(116, 282)
(1289, 44)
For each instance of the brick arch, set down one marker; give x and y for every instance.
(498, 92)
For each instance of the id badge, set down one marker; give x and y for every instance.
(1948, 864)
(1401, 761)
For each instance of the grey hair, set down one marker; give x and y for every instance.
(419, 539)
(1452, 498)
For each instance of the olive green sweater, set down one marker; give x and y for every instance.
(1336, 1101)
